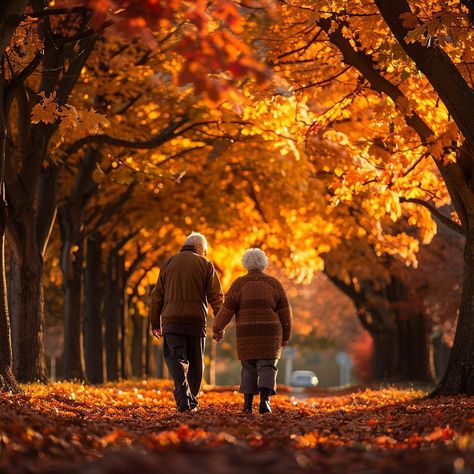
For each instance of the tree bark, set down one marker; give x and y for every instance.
(9, 19)
(212, 361)
(73, 354)
(112, 314)
(400, 333)
(30, 364)
(147, 348)
(414, 358)
(93, 330)
(385, 354)
(7, 379)
(459, 375)
(137, 346)
(124, 359)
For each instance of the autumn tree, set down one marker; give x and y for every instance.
(56, 42)
(9, 19)
(359, 63)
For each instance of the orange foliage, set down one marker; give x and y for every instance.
(68, 422)
(210, 40)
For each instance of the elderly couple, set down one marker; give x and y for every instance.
(179, 301)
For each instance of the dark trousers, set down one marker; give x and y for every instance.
(257, 374)
(184, 358)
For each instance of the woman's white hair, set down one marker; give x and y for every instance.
(195, 238)
(254, 259)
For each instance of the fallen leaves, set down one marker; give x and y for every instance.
(76, 424)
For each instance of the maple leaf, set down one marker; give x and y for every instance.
(46, 111)
(93, 122)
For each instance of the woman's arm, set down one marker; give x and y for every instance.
(285, 314)
(227, 311)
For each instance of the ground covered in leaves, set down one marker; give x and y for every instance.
(134, 427)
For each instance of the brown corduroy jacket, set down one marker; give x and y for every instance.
(262, 314)
(186, 285)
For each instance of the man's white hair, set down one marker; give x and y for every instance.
(195, 238)
(254, 259)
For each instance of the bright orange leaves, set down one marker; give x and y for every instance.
(80, 424)
(214, 52)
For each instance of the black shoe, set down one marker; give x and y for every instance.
(248, 401)
(265, 401)
(184, 405)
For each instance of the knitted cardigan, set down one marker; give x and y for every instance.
(262, 314)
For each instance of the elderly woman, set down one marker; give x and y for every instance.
(263, 319)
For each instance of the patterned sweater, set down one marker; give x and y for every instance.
(262, 313)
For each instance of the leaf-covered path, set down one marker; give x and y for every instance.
(130, 426)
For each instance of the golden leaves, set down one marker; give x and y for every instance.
(48, 424)
(46, 111)
(73, 122)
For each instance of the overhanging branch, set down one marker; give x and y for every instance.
(435, 212)
(165, 135)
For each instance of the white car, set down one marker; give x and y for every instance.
(303, 378)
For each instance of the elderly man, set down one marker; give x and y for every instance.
(179, 302)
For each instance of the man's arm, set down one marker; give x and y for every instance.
(214, 292)
(157, 298)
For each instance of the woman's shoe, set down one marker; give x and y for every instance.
(265, 401)
(248, 402)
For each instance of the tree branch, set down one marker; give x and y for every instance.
(452, 173)
(165, 135)
(111, 209)
(436, 213)
(55, 11)
(26, 71)
(451, 87)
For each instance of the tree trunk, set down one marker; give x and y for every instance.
(385, 353)
(30, 364)
(441, 353)
(212, 362)
(73, 355)
(414, 357)
(137, 345)
(124, 360)
(7, 379)
(459, 375)
(93, 331)
(111, 333)
(112, 314)
(147, 348)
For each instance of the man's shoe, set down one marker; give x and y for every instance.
(265, 401)
(184, 405)
(248, 402)
(191, 406)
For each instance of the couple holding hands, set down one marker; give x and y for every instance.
(187, 284)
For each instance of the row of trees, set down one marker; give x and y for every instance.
(407, 69)
(337, 163)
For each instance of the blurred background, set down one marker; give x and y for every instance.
(332, 338)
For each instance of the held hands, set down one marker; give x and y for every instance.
(218, 335)
(157, 333)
